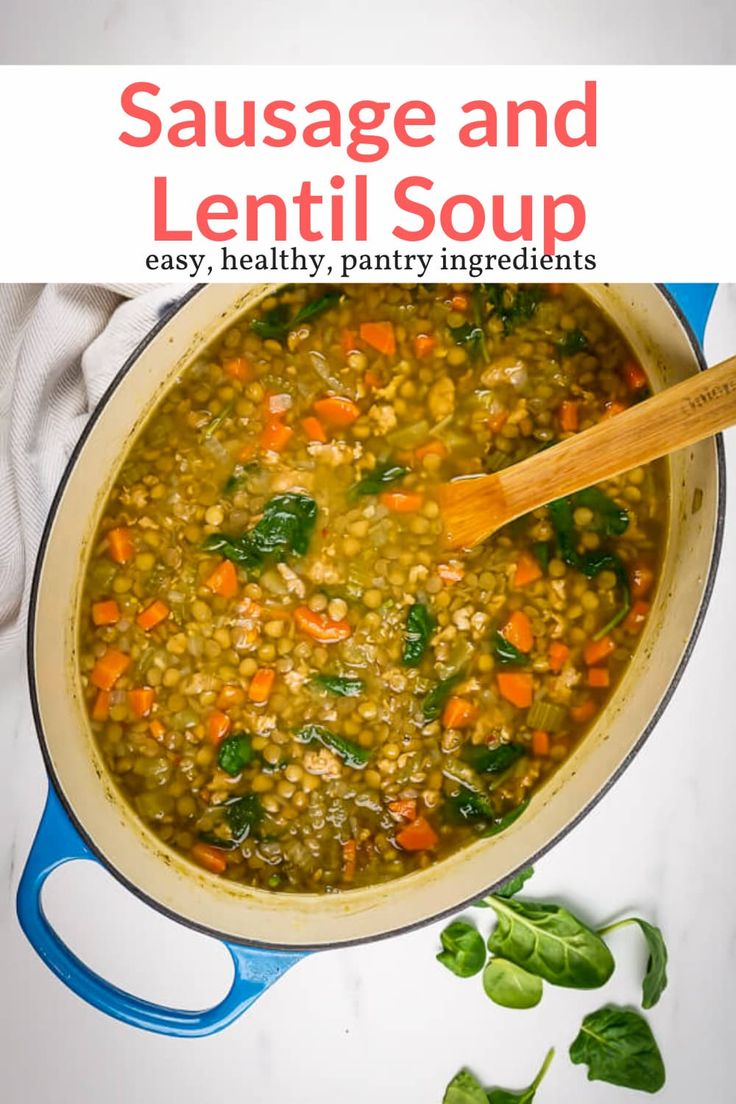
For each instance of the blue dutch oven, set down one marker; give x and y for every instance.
(266, 933)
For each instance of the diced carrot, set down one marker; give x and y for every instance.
(108, 669)
(349, 859)
(419, 835)
(613, 408)
(634, 376)
(459, 302)
(238, 368)
(518, 631)
(246, 453)
(450, 573)
(372, 379)
(405, 807)
(153, 615)
(432, 448)
(527, 570)
(557, 654)
(595, 651)
(141, 700)
(314, 429)
(211, 858)
(261, 685)
(423, 345)
(401, 502)
(224, 580)
(106, 613)
(583, 712)
(348, 341)
(229, 696)
(218, 726)
(337, 411)
(496, 422)
(636, 616)
(380, 336)
(458, 713)
(120, 545)
(101, 707)
(321, 628)
(568, 416)
(516, 687)
(540, 743)
(641, 578)
(598, 677)
(157, 730)
(275, 435)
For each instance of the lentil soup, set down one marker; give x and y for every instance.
(289, 677)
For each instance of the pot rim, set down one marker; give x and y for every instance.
(164, 318)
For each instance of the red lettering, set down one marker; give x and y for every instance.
(135, 111)
(402, 122)
(477, 213)
(589, 110)
(160, 228)
(552, 232)
(487, 126)
(206, 215)
(404, 203)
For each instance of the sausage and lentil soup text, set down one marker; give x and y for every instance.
(289, 677)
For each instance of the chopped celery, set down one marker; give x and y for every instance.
(546, 715)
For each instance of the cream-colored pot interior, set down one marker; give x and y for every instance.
(651, 325)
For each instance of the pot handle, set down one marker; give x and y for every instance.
(695, 301)
(56, 842)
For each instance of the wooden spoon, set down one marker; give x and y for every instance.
(473, 507)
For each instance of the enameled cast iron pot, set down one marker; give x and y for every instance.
(85, 816)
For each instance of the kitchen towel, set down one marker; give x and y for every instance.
(60, 346)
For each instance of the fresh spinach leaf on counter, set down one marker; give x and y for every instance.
(547, 940)
(352, 755)
(463, 949)
(417, 634)
(466, 1089)
(286, 526)
(513, 885)
(510, 985)
(655, 977)
(617, 1046)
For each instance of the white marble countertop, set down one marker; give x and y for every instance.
(384, 1022)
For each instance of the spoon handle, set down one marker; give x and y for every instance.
(699, 407)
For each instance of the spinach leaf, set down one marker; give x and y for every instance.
(608, 517)
(464, 1089)
(510, 985)
(501, 823)
(617, 1046)
(526, 1096)
(471, 336)
(438, 695)
(655, 978)
(274, 323)
(491, 760)
(515, 884)
(239, 475)
(317, 306)
(235, 752)
(243, 815)
(550, 942)
(573, 342)
(514, 307)
(542, 551)
(342, 685)
(383, 475)
(286, 526)
(463, 950)
(277, 322)
(467, 805)
(417, 634)
(507, 653)
(216, 422)
(352, 755)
